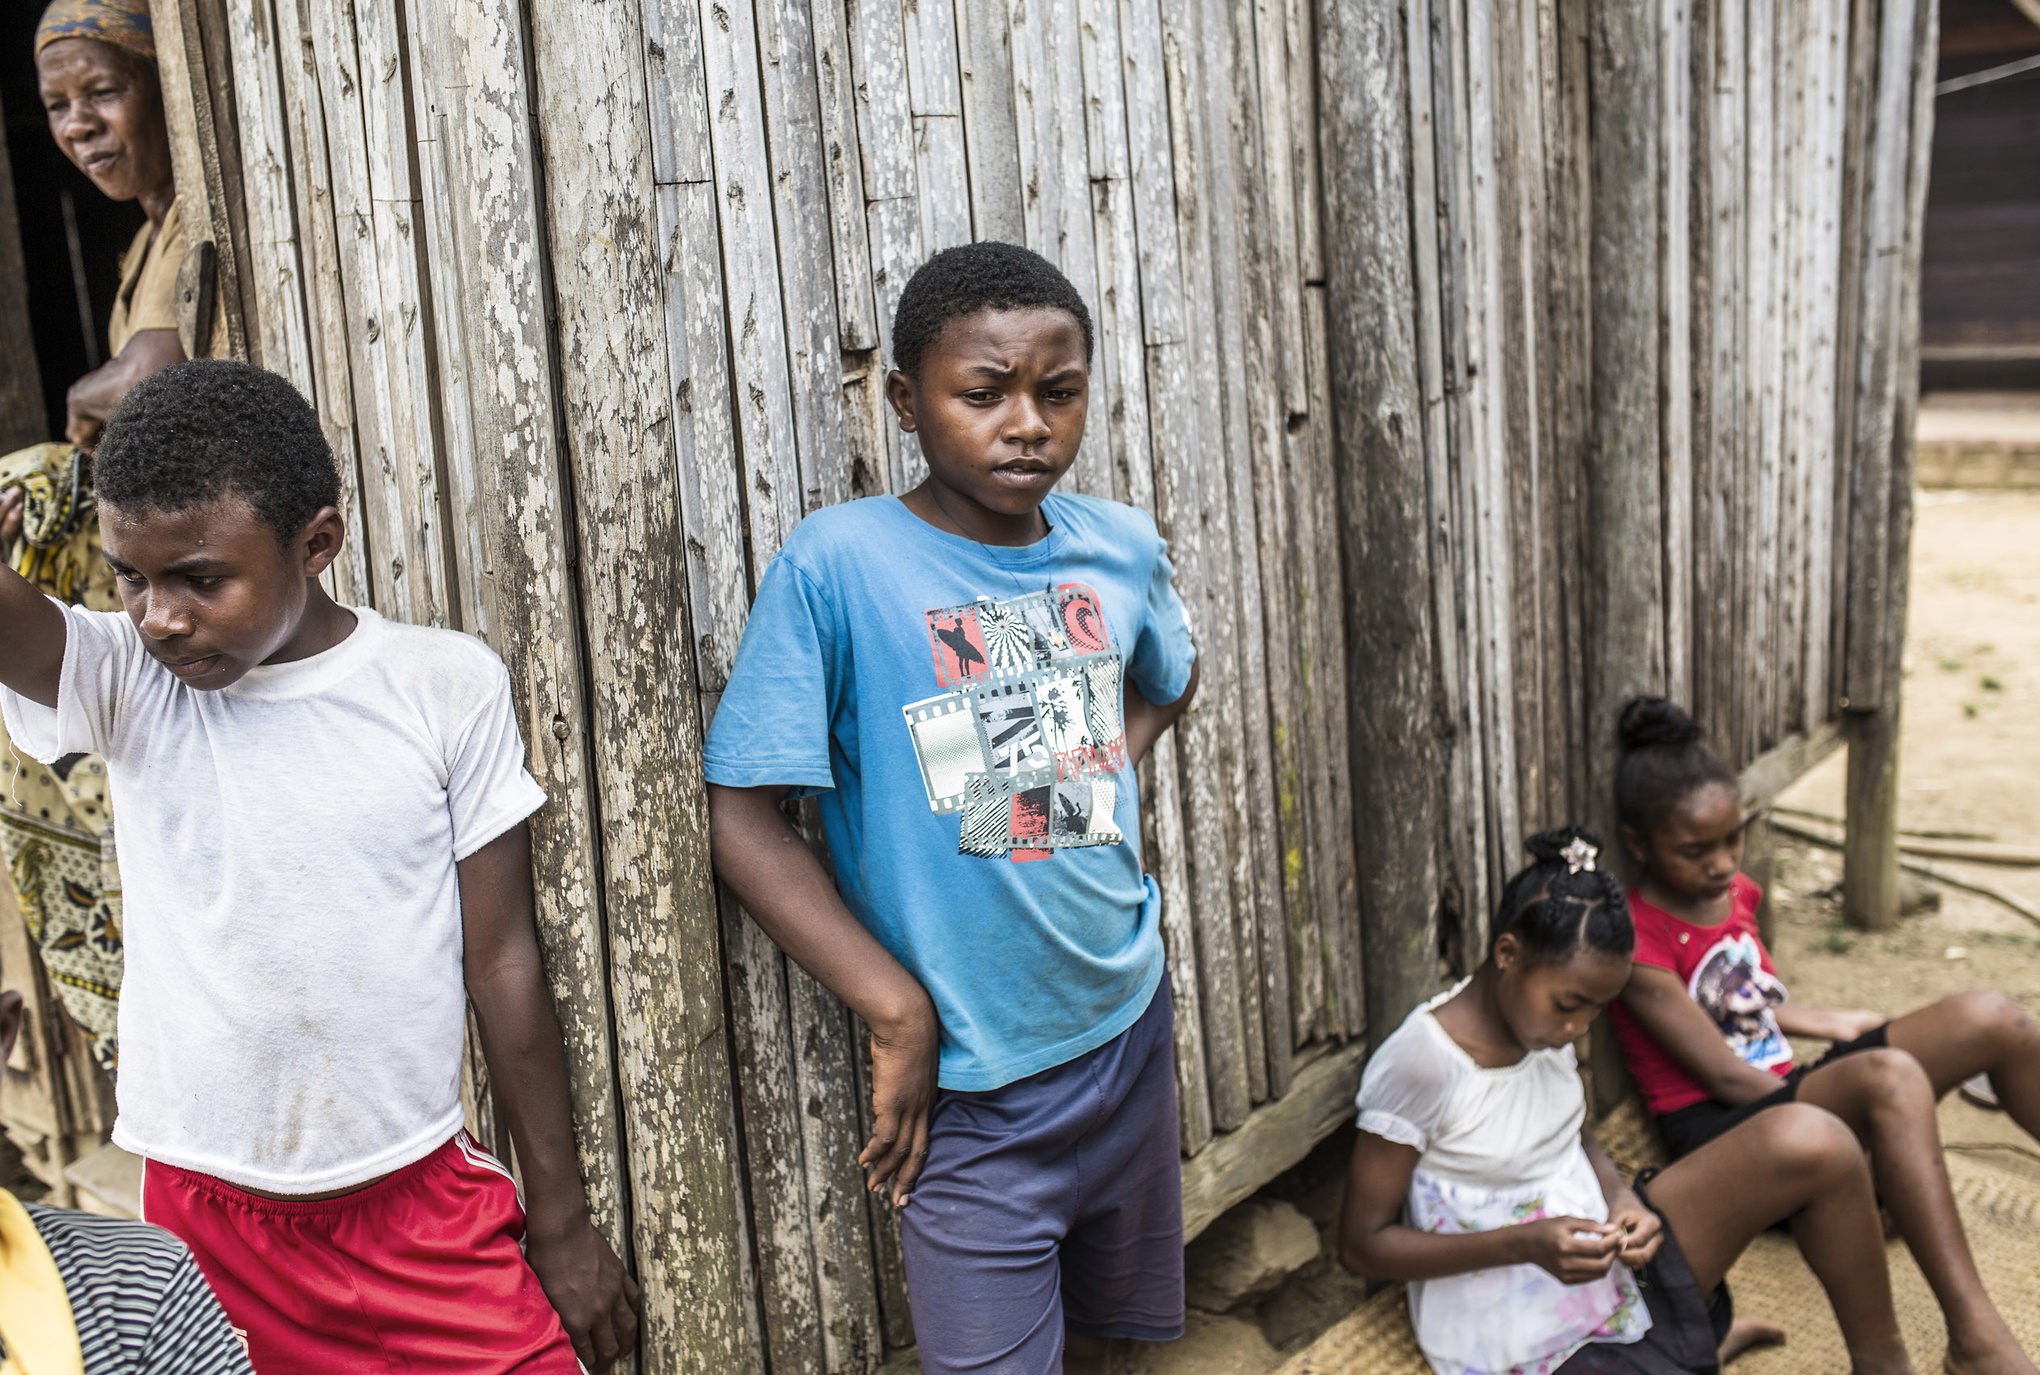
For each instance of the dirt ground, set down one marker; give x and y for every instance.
(1969, 761)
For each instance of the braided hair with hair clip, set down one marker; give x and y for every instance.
(1563, 900)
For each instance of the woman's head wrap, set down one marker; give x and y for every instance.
(123, 23)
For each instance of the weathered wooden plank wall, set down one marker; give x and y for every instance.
(1483, 361)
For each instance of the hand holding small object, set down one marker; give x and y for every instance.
(1573, 1249)
(1641, 1231)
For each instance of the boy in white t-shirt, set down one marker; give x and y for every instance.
(324, 843)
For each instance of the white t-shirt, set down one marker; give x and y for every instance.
(293, 1007)
(1498, 1146)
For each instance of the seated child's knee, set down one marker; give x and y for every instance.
(1997, 1016)
(1812, 1139)
(1892, 1076)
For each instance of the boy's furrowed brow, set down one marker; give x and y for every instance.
(195, 563)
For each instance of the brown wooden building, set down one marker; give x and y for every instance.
(1484, 361)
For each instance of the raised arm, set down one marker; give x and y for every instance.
(788, 893)
(580, 1273)
(1659, 1001)
(32, 629)
(1375, 1242)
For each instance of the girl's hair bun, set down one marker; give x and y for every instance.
(1551, 846)
(1649, 721)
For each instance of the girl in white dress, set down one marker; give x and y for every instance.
(1477, 1179)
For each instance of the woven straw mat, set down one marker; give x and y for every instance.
(1996, 1185)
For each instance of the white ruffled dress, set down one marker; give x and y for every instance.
(1498, 1146)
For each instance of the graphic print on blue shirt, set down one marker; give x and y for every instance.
(1027, 742)
(955, 710)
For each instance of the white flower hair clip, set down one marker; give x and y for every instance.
(1579, 854)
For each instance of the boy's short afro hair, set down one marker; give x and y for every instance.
(973, 277)
(212, 428)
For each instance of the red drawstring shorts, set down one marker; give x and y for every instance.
(422, 1271)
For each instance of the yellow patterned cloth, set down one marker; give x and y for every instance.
(123, 23)
(56, 825)
(38, 1335)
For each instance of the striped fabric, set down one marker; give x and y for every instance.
(140, 1304)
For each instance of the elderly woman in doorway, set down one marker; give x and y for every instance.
(96, 62)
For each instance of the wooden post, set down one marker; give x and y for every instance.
(1626, 530)
(1369, 296)
(192, 63)
(1887, 396)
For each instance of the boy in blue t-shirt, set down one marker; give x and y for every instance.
(967, 676)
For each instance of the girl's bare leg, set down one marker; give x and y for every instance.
(1978, 1033)
(1803, 1163)
(1887, 1099)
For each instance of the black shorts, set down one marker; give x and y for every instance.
(1689, 1128)
(1686, 1326)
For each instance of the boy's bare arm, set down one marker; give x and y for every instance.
(31, 628)
(788, 893)
(582, 1277)
(1145, 722)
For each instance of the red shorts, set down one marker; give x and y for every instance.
(422, 1271)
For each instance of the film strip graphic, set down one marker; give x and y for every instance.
(1027, 743)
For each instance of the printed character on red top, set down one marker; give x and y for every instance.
(1729, 974)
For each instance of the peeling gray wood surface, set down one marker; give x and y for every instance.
(1376, 333)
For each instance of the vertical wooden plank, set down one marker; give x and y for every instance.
(1825, 325)
(359, 67)
(843, 173)
(1675, 291)
(472, 93)
(760, 385)
(1326, 980)
(1728, 258)
(600, 217)
(789, 73)
(1626, 565)
(769, 1121)
(198, 111)
(1183, 385)
(277, 330)
(825, 1048)
(1325, 949)
(1121, 371)
(1761, 287)
(318, 245)
(1484, 468)
(1256, 422)
(990, 130)
(892, 208)
(1465, 819)
(935, 95)
(1174, 801)
(1365, 137)
(1795, 46)
(1563, 38)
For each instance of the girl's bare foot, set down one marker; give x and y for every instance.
(1745, 1333)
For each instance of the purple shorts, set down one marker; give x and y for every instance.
(1054, 1202)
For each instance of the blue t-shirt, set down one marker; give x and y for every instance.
(958, 707)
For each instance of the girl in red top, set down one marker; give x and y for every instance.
(1704, 1019)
